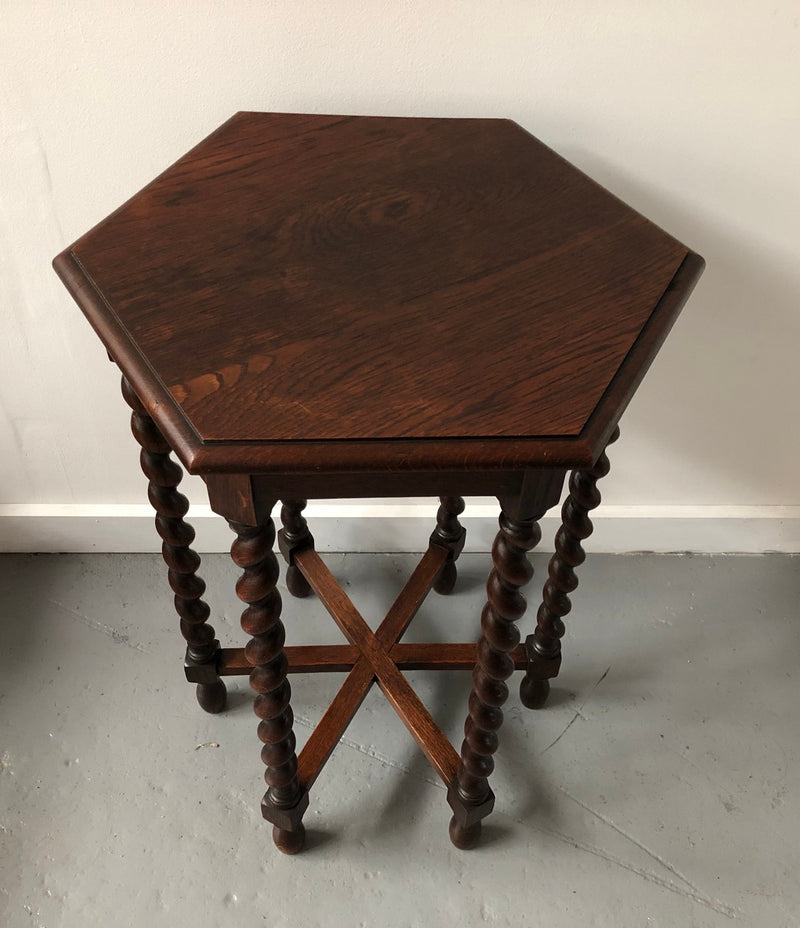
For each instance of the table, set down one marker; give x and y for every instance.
(310, 306)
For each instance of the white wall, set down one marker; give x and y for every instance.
(689, 111)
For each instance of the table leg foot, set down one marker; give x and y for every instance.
(465, 837)
(533, 693)
(293, 537)
(296, 583)
(465, 825)
(288, 831)
(451, 534)
(289, 842)
(446, 579)
(212, 697)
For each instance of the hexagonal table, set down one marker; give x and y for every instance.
(325, 306)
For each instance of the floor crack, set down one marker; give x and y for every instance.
(694, 891)
(374, 754)
(112, 633)
(578, 713)
(691, 893)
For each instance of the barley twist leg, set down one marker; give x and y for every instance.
(451, 534)
(164, 475)
(499, 637)
(285, 801)
(544, 645)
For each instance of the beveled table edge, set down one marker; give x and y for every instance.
(637, 361)
(375, 455)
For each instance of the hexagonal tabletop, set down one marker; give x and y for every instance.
(426, 291)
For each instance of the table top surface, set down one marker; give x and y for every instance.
(365, 289)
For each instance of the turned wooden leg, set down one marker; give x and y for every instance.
(285, 801)
(544, 645)
(500, 636)
(293, 537)
(451, 534)
(164, 475)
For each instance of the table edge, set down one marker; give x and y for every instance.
(375, 455)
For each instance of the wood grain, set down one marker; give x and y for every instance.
(333, 723)
(341, 658)
(310, 306)
(374, 662)
(317, 265)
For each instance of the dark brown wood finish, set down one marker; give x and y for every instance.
(373, 648)
(544, 646)
(339, 714)
(285, 801)
(318, 263)
(312, 306)
(500, 636)
(182, 562)
(293, 537)
(451, 534)
(341, 658)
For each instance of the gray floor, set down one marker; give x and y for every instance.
(659, 788)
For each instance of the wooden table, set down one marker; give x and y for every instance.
(325, 306)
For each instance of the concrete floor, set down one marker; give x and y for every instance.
(659, 788)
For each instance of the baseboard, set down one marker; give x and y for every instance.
(341, 526)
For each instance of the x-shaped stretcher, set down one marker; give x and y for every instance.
(374, 657)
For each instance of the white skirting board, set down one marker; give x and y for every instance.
(393, 526)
